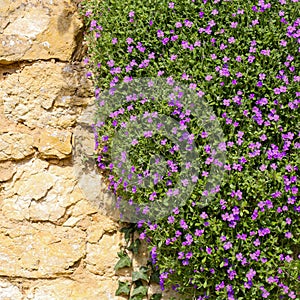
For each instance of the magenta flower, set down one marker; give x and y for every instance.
(231, 40)
(208, 78)
(171, 5)
(173, 57)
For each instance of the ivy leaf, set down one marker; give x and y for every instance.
(154, 277)
(141, 290)
(139, 275)
(124, 261)
(134, 247)
(123, 289)
(156, 297)
(127, 231)
(138, 297)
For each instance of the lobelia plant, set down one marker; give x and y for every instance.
(243, 58)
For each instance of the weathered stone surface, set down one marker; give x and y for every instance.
(15, 145)
(53, 143)
(89, 178)
(7, 171)
(40, 192)
(99, 226)
(9, 291)
(6, 70)
(34, 29)
(35, 187)
(45, 94)
(102, 256)
(39, 250)
(85, 287)
(83, 207)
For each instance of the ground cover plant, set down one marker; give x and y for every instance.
(243, 57)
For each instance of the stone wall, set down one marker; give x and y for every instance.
(54, 243)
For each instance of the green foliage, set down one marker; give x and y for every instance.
(124, 261)
(156, 297)
(253, 222)
(123, 289)
(140, 275)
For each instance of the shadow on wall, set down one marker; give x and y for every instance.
(64, 21)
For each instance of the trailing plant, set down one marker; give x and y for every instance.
(243, 58)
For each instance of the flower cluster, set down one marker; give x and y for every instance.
(244, 58)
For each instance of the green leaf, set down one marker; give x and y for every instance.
(123, 289)
(138, 297)
(127, 231)
(141, 290)
(139, 275)
(156, 297)
(154, 277)
(134, 247)
(124, 261)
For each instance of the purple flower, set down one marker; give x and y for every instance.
(199, 232)
(288, 235)
(256, 242)
(204, 215)
(201, 14)
(171, 219)
(231, 40)
(180, 255)
(171, 5)
(183, 224)
(131, 14)
(227, 245)
(173, 57)
(160, 33)
(233, 24)
(239, 256)
(248, 284)
(152, 196)
(250, 275)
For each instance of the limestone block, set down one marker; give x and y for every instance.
(102, 256)
(34, 187)
(99, 226)
(85, 287)
(15, 146)
(36, 95)
(39, 250)
(34, 29)
(7, 171)
(53, 143)
(39, 192)
(9, 291)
